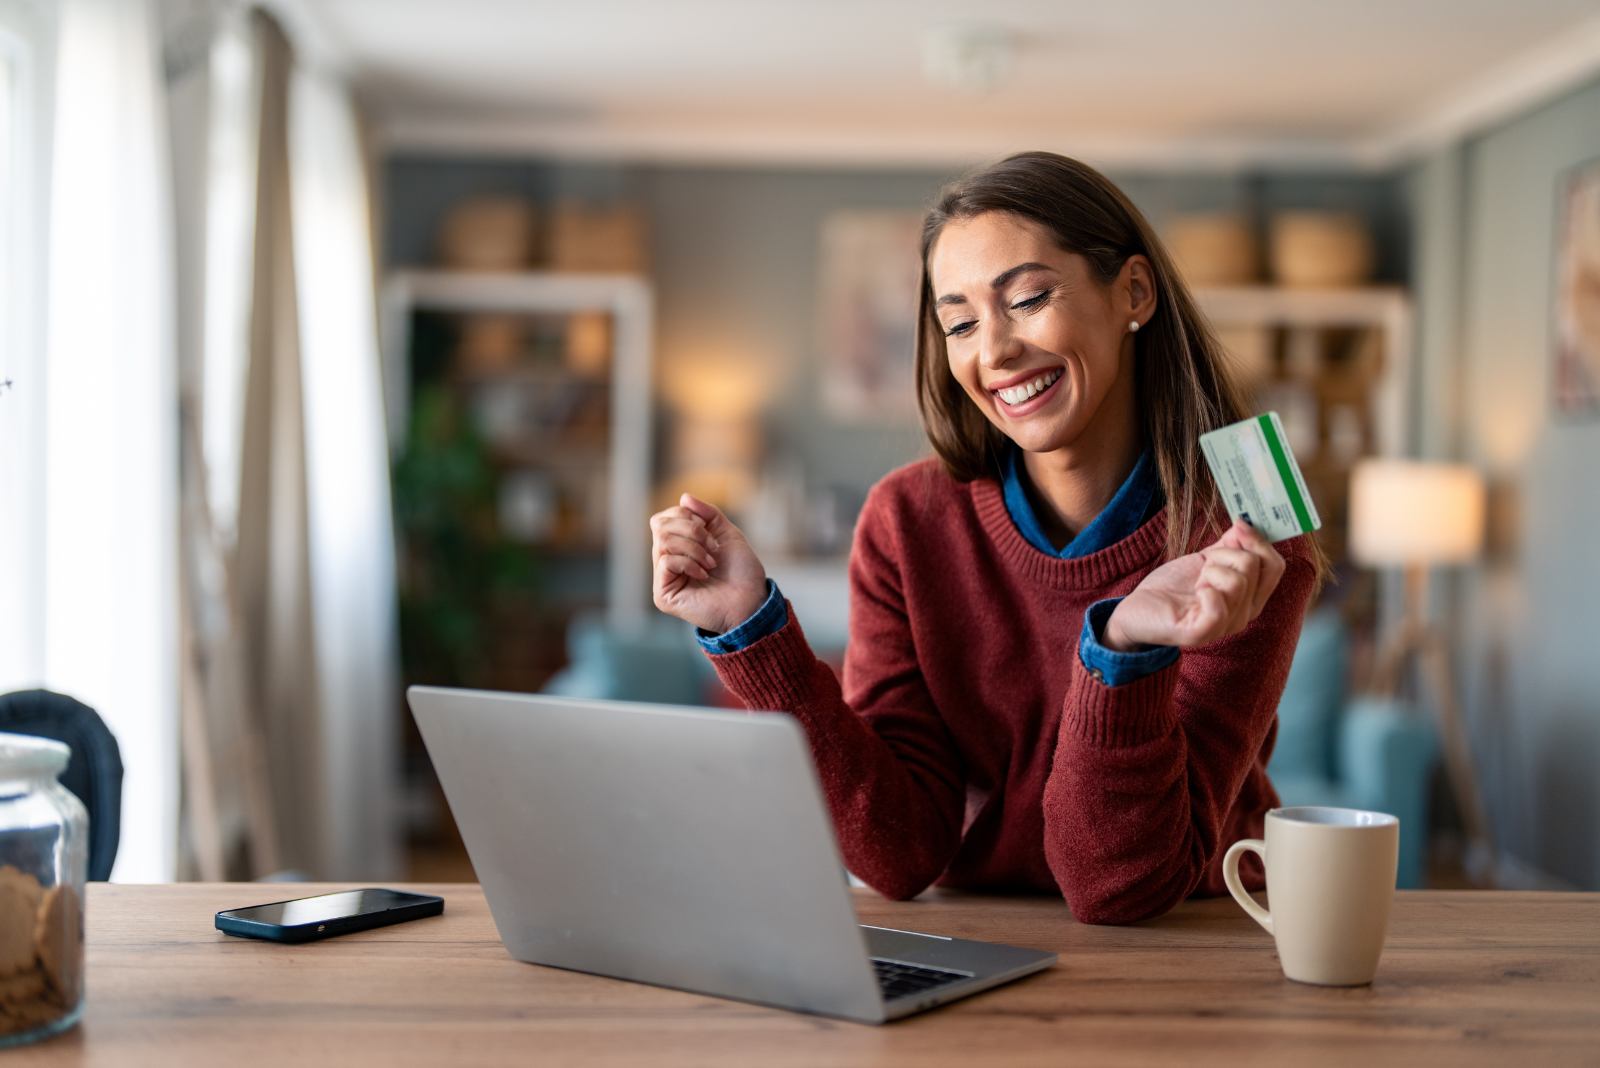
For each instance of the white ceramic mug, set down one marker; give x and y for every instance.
(1330, 881)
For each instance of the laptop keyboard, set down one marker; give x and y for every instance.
(902, 980)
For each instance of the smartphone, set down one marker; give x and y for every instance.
(326, 915)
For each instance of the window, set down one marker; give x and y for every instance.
(26, 46)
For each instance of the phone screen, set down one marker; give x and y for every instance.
(326, 907)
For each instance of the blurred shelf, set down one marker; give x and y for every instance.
(537, 375)
(626, 456)
(557, 451)
(520, 291)
(1383, 308)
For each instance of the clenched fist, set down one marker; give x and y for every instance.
(705, 571)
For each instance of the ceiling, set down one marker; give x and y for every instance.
(1159, 83)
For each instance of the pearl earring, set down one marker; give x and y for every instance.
(1134, 326)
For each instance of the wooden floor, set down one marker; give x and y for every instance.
(439, 862)
(440, 857)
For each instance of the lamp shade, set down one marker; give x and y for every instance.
(1411, 512)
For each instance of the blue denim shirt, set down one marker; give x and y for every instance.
(1119, 519)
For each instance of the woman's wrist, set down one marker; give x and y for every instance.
(744, 608)
(771, 617)
(1115, 638)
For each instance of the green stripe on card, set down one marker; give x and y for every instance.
(1280, 456)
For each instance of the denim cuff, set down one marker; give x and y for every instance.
(1109, 666)
(769, 619)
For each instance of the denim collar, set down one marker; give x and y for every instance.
(1125, 514)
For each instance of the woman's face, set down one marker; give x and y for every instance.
(1036, 341)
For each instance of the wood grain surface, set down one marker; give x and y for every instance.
(1467, 978)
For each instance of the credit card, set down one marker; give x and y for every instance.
(1259, 479)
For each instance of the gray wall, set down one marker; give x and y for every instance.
(736, 268)
(734, 262)
(734, 255)
(1528, 621)
(1379, 198)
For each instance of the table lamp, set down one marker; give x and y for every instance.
(1416, 515)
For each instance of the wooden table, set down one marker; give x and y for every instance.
(1467, 978)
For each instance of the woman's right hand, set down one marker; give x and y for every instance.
(705, 571)
(1199, 598)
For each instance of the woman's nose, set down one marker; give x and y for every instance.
(998, 346)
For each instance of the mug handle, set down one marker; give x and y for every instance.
(1230, 875)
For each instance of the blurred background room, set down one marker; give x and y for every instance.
(349, 344)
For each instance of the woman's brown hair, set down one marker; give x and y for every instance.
(1184, 388)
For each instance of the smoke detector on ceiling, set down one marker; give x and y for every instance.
(972, 57)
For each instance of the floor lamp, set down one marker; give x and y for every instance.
(1417, 516)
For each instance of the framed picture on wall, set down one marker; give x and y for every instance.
(1575, 376)
(869, 270)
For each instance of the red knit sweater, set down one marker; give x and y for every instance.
(969, 745)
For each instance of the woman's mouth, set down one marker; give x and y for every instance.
(1022, 393)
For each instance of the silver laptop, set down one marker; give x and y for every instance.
(682, 847)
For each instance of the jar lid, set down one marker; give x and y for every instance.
(23, 755)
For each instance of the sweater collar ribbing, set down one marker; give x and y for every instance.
(1138, 550)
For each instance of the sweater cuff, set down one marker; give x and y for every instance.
(1119, 717)
(1110, 666)
(772, 674)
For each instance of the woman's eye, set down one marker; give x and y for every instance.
(960, 329)
(1031, 302)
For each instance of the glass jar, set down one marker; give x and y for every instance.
(44, 840)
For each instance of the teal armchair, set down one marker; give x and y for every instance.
(1369, 753)
(658, 662)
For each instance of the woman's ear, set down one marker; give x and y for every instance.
(1140, 281)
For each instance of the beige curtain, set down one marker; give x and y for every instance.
(273, 585)
(291, 728)
(229, 818)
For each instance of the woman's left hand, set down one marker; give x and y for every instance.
(1199, 598)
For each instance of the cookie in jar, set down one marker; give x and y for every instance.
(43, 862)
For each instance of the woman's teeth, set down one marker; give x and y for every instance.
(1018, 394)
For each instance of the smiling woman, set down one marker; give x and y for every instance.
(1063, 670)
(1176, 377)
